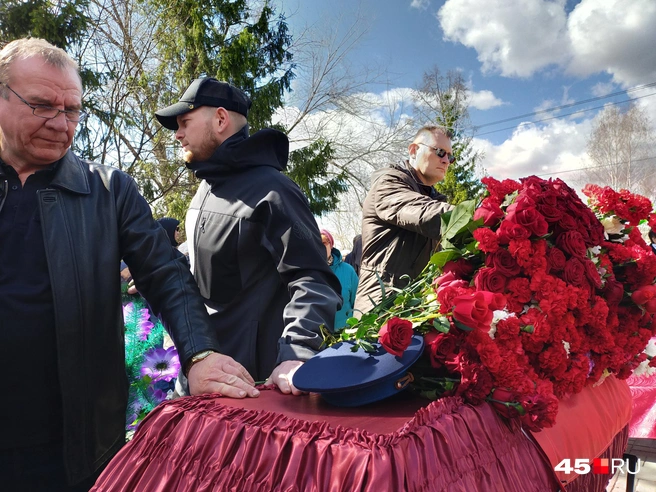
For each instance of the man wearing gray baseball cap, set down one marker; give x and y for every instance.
(254, 246)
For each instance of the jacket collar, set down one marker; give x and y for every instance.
(405, 166)
(69, 175)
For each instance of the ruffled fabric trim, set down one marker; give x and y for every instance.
(199, 444)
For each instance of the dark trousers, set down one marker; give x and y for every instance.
(38, 469)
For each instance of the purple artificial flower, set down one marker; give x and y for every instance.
(158, 395)
(161, 364)
(140, 318)
(133, 415)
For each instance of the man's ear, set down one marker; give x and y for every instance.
(412, 149)
(221, 120)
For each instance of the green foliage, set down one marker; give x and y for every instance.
(460, 183)
(227, 40)
(62, 24)
(308, 167)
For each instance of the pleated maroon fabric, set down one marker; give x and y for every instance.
(283, 443)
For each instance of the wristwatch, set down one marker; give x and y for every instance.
(197, 358)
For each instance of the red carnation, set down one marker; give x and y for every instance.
(487, 239)
(395, 335)
(644, 294)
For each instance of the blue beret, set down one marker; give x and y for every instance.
(349, 379)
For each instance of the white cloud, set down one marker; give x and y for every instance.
(603, 89)
(518, 38)
(420, 4)
(484, 100)
(614, 36)
(515, 38)
(554, 150)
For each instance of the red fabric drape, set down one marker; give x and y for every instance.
(283, 443)
(587, 424)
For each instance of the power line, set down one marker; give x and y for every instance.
(594, 167)
(565, 106)
(568, 114)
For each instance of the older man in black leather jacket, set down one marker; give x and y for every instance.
(65, 225)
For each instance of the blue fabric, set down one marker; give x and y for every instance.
(349, 282)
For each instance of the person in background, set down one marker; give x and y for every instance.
(65, 225)
(401, 216)
(171, 226)
(254, 245)
(652, 239)
(346, 276)
(354, 257)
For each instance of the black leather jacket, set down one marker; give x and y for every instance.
(92, 216)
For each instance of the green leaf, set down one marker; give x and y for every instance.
(441, 324)
(462, 326)
(460, 216)
(352, 321)
(509, 199)
(413, 302)
(442, 257)
(366, 346)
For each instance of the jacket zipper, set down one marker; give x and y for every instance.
(200, 227)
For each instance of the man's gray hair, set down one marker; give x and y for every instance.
(430, 130)
(21, 49)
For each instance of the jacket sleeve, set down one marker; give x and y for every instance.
(354, 287)
(397, 203)
(292, 238)
(161, 274)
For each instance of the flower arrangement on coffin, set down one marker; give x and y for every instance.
(151, 369)
(533, 296)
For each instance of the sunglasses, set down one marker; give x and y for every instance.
(440, 152)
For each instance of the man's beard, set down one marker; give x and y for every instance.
(210, 144)
(187, 156)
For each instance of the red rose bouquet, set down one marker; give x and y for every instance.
(533, 296)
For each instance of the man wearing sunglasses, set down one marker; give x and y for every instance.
(65, 225)
(401, 216)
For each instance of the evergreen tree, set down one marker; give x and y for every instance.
(158, 48)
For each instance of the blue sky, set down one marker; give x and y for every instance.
(519, 56)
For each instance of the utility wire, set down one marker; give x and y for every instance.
(594, 167)
(568, 114)
(565, 106)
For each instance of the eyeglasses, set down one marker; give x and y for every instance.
(440, 152)
(48, 112)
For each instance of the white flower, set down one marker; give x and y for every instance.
(496, 317)
(492, 332)
(650, 349)
(594, 251)
(612, 225)
(566, 345)
(643, 369)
